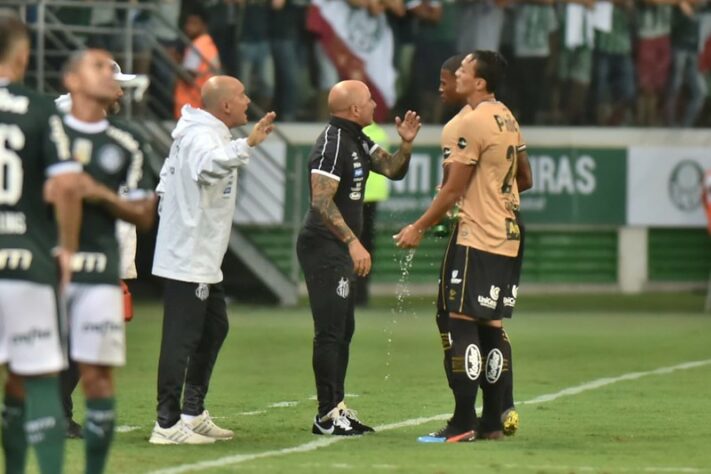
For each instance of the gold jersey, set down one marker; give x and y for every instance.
(487, 137)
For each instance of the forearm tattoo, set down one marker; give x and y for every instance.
(393, 166)
(323, 189)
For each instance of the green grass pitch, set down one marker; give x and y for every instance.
(263, 384)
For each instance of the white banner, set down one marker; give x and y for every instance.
(664, 186)
(367, 37)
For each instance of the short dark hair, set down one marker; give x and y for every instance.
(198, 11)
(453, 62)
(73, 61)
(490, 66)
(12, 30)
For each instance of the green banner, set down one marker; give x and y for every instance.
(571, 186)
(576, 186)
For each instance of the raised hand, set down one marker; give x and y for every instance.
(408, 127)
(262, 129)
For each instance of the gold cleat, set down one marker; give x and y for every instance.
(510, 421)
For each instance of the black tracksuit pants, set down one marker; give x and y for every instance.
(194, 328)
(328, 272)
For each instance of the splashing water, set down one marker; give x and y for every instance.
(402, 292)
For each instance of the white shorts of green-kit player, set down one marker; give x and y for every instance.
(96, 326)
(31, 341)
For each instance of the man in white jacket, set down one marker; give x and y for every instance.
(198, 187)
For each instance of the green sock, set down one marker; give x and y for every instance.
(14, 441)
(99, 432)
(45, 425)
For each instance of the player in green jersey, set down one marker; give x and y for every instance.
(110, 154)
(35, 253)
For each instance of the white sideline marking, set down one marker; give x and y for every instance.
(323, 442)
(346, 396)
(127, 428)
(252, 413)
(283, 404)
(610, 380)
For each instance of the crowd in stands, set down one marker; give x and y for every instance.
(571, 62)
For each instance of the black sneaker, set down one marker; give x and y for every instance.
(449, 434)
(352, 416)
(73, 430)
(334, 423)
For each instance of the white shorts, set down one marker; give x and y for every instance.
(96, 325)
(32, 338)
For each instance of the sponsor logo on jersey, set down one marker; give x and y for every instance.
(32, 336)
(36, 428)
(89, 262)
(202, 291)
(355, 196)
(455, 280)
(228, 188)
(491, 300)
(110, 158)
(356, 164)
(344, 288)
(472, 362)
(511, 301)
(358, 172)
(494, 365)
(15, 259)
(102, 327)
(12, 103)
(81, 150)
(12, 223)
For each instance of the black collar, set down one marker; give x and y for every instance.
(348, 125)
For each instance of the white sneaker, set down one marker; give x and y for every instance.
(203, 425)
(179, 433)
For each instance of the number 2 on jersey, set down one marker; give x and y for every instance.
(11, 138)
(511, 156)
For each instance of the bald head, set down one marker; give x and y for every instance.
(351, 100)
(345, 94)
(218, 89)
(224, 97)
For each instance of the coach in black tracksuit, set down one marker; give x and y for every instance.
(328, 248)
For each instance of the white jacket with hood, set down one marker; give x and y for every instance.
(197, 189)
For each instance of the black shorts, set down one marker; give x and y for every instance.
(479, 284)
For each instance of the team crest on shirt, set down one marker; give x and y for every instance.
(202, 292)
(344, 288)
(110, 158)
(462, 143)
(81, 150)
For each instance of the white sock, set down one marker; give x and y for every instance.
(187, 418)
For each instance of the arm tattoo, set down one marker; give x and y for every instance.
(323, 189)
(392, 166)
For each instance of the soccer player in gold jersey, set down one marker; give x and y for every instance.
(483, 150)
